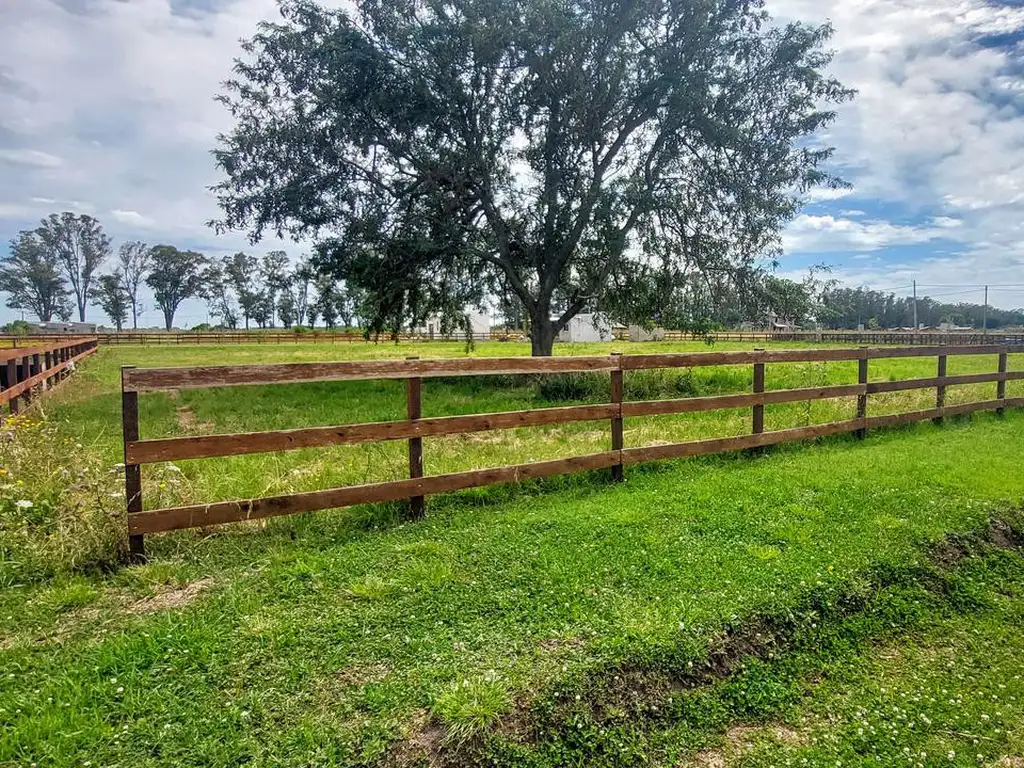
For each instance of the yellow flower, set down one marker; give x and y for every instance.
(2, 471)
(162, 485)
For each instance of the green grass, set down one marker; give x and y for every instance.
(353, 637)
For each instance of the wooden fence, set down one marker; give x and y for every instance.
(24, 370)
(413, 429)
(323, 336)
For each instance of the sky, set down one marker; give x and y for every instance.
(107, 108)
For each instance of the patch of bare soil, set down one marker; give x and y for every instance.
(422, 747)
(169, 599)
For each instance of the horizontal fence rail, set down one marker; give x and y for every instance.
(413, 429)
(29, 369)
(326, 336)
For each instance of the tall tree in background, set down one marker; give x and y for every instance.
(31, 275)
(240, 270)
(134, 261)
(175, 276)
(110, 295)
(430, 146)
(274, 275)
(80, 247)
(216, 291)
(299, 285)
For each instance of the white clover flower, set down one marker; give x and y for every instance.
(23, 504)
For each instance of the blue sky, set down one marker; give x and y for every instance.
(106, 107)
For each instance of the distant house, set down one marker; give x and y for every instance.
(639, 333)
(479, 323)
(68, 328)
(588, 327)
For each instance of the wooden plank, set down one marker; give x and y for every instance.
(757, 417)
(931, 351)
(414, 410)
(935, 381)
(616, 423)
(132, 471)
(173, 518)
(716, 402)
(155, 379)
(862, 398)
(208, 446)
(742, 442)
(940, 389)
(701, 359)
(1001, 385)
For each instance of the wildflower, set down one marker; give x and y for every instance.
(163, 485)
(173, 468)
(3, 471)
(23, 504)
(951, 755)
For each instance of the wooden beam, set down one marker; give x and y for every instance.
(716, 402)
(174, 518)
(208, 446)
(156, 379)
(742, 442)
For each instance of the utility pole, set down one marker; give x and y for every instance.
(984, 315)
(915, 306)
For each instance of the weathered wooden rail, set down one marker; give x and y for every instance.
(24, 370)
(325, 336)
(138, 452)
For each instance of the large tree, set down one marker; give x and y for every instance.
(437, 148)
(79, 245)
(241, 271)
(175, 276)
(110, 295)
(134, 261)
(32, 277)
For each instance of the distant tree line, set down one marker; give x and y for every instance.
(834, 306)
(54, 271)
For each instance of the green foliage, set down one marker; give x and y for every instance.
(134, 260)
(175, 276)
(461, 149)
(112, 297)
(16, 328)
(31, 274)
(79, 246)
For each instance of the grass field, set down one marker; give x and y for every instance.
(354, 638)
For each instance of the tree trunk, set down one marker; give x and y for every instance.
(542, 332)
(169, 318)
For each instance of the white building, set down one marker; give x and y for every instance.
(590, 327)
(639, 333)
(60, 327)
(479, 323)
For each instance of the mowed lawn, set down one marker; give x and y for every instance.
(353, 637)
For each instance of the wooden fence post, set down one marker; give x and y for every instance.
(1001, 384)
(12, 379)
(132, 472)
(862, 400)
(414, 402)
(758, 410)
(617, 442)
(940, 390)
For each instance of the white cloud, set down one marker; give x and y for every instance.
(818, 234)
(823, 194)
(31, 158)
(132, 218)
